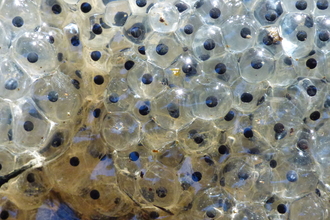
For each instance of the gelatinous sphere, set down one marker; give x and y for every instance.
(257, 65)
(163, 17)
(297, 32)
(244, 31)
(210, 101)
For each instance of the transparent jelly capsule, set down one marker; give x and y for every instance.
(136, 28)
(162, 49)
(312, 65)
(283, 119)
(146, 80)
(170, 110)
(239, 33)
(8, 159)
(156, 137)
(107, 199)
(297, 31)
(159, 186)
(292, 183)
(198, 136)
(306, 6)
(117, 13)
(120, 130)
(95, 32)
(142, 109)
(207, 42)
(268, 12)
(238, 176)
(322, 7)
(133, 160)
(222, 67)
(24, 17)
(34, 52)
(189, 24)
(163, 17)
(210, 101)
(256, 65)
(197, 173)
(322, 32)
(54, 12)
(212, 12)
(248, 96)
(118, 96)
(270, 39)
(308, 92)
(50, 95)
(31, 125)
(213, 203)
(276, 207)
(285, 71)
(57, 144)
(184, 72)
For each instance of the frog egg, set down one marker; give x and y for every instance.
(256, 65)
(118, 96)
(184, 72)
(119, 127)
(322, 7)
(268, 12)
(14, 80)
(136, 29)
(322, 32)
(163, 17)
(207, 42)
(49, 95)
(237, 176)
(198, 136)
(170, 111)
(297, 31)
(188, 26)
(133, 160)
(146, 80)
(213, 203)
(212, 12)
(306, 6)
(244, 31)
(117, 13)
(54, 12)
(312, 65)
(25, 18)
(270, 40)
(162, 49)
(248, 96)
(210, 101)
(31, 124)
(156, 189)
(35, 53)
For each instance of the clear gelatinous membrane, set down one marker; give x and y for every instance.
(239, 33)
(256, 65)
(210, 101)
(163, 17)
(297, 31)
